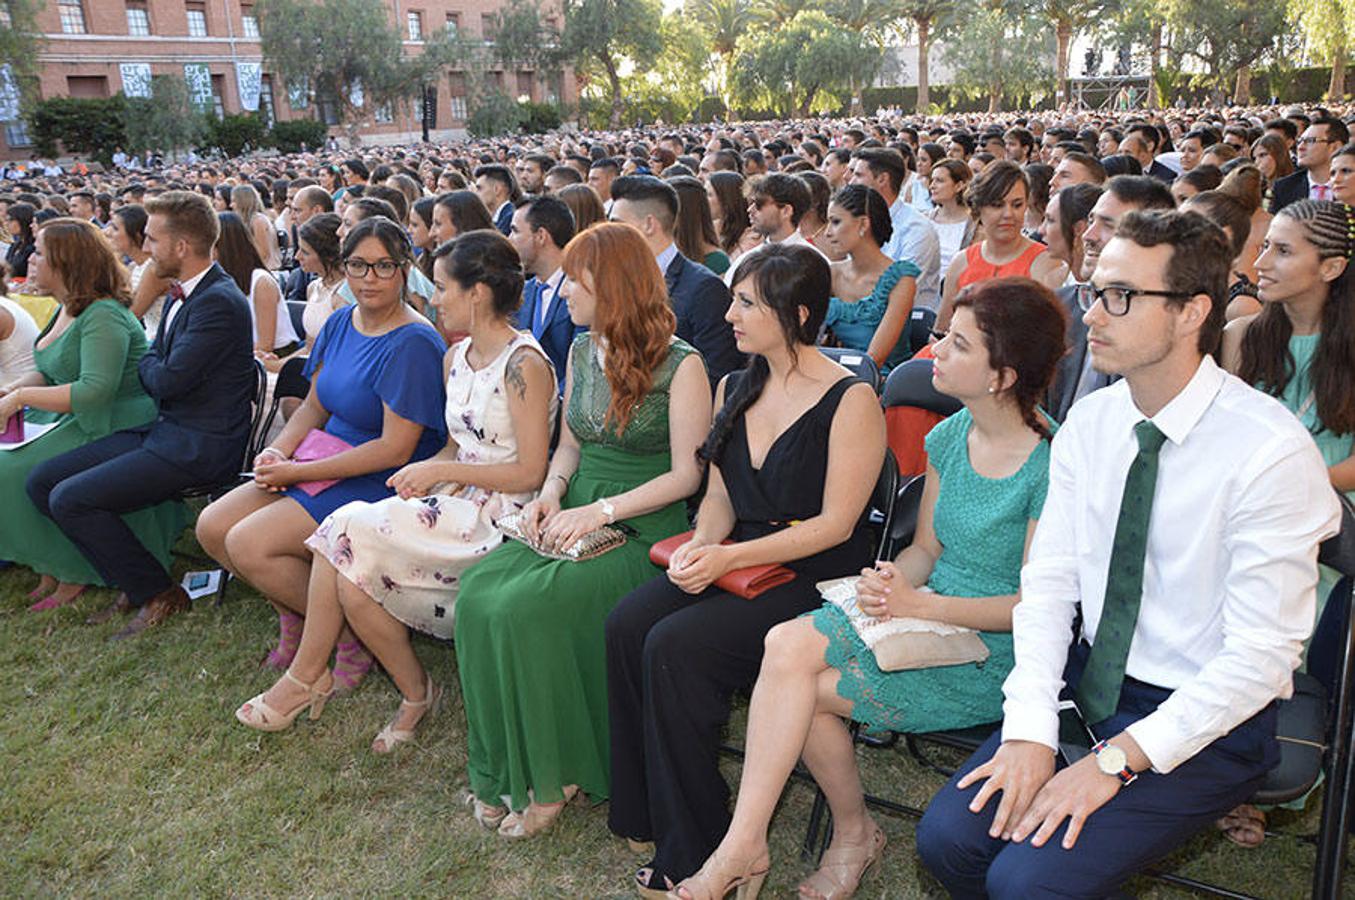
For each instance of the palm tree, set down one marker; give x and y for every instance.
(928, 17)
(873, 20)
(724, 22)
(1069, 17)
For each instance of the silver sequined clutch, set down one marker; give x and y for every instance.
(592, 544)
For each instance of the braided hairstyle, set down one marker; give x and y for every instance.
(1266, 361)
(786, 278)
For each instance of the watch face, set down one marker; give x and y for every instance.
(1111, 760)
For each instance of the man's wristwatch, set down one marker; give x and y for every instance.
(1111, 760)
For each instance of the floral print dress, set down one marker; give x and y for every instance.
(408, 555)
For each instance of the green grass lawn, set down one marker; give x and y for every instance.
(127, 775)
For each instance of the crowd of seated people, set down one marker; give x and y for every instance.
(1146, 326)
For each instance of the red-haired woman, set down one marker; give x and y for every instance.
(529, 629)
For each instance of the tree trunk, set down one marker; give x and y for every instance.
(1154, 60)
(614, 80)
(1336, 87)
(995, 97)
(924, 99)
(1242, 90)
(1063, 31)
(856, 106)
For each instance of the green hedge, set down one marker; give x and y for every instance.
(290, 136)
(90, 126)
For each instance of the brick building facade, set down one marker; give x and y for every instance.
(95, 48)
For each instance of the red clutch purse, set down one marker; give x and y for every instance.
(14, 429)
(318, 444)
(746, 583)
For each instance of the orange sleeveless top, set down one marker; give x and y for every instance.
(978, 269)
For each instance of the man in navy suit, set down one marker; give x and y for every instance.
(541, 228)
(698, 297)
(200, 370)
(498, 188)
(1316, 147)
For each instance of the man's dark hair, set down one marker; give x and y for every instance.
(552, 214)
(541, 160)
(358, 167)
(727, 160)
(504, 176)
(607, 163)
(1205, 136)
(965, 140)
(568, 173)
(398, 201)
(890, 162)
(1149, 134)
(1201, 261)
(783, 190)
(1290, 129)
(1336, 129)
(659, 196)
(1090, 163)
(856, 134)
(1141, 191)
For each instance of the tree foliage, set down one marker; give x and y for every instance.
(293, 135)
(810, 58)
(523, 37)
(601, 34)
(166, 120)
(673, 88)
(20, 41)
(1001, 48)
(346, 52)
(96, 126)
(1224, 35)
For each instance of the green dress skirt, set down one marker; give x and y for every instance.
(97, 356)
(529, 630)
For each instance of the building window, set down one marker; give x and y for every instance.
(456, 84)
(329, 109)
(138, 20)
(72, 17)
(87, 85)
(415, 20)
(197, 20)
(218, 94)
(488, 25)
(249, 23)
(266, 108)
(16, 134)
(525, 85)
(453, 25)
(383, 114)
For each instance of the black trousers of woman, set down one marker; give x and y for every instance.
(674, 661)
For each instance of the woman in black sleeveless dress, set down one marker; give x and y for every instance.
(796, 449)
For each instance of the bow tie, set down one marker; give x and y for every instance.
(175, 292)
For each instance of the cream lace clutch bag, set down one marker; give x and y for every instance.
(592, 544)
(904, 642)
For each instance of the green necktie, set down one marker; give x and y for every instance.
(1098, 693)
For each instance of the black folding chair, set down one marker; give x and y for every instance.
(291, 383)
(297, 310)
(858, 362)
(920, 324)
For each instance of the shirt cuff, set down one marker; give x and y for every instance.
(1022, 722)
(1160, 742)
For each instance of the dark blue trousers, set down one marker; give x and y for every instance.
(1143, 822)
(86, 491)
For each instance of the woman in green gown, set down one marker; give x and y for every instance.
(86, 386)
(529, 629)
(1301, 349)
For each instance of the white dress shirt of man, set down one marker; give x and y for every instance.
(915, 238)
(1227, 598)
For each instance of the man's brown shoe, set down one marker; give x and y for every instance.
(156, 611)
(118, 607)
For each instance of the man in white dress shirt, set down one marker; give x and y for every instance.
(1183, 518)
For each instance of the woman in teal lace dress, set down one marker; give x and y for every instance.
(529, 629)
(1301, 349)
(872, 294)
(986, 479)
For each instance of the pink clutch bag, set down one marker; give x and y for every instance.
(14, 429)
(318, 444)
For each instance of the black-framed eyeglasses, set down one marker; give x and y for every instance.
(385, 269)
(1115, 300)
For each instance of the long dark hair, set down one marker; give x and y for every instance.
(235, 250)
(1024, 327)
(787, 277)
(695, 228)
(728, 186)
(466, 210)
(1266, 360)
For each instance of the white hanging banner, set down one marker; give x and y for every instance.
(298, 94)
(198, 76)
(249, 80)
(355, 94)
(136, 79)
(9, 94)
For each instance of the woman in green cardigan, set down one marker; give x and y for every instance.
(85, 387)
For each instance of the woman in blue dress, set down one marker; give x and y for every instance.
(986, 478)
(872, 294)
(376, 385)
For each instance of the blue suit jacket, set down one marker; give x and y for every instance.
(1289, 189)
(504, 219)
(200, 370)
(699, 299)
(556, 334)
